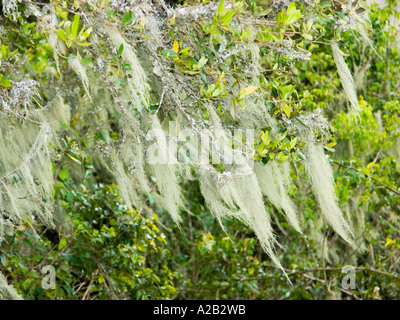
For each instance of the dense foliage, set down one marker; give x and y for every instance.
(82, 81)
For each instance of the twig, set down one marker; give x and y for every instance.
(87, 292)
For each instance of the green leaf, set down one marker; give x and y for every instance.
(27, 243)
(221, 8)
(63, 175)
(307, 36)
(3, 260)
(291, 8)
(13, 53)
(87, 33)
(228, 17)
(329, 149)
(4, 51)
(283, 158)
(292, 14)
(5, 83)
(293, 17)
(74, 159)
(287, 109)
(87, 62)
(75, 26)
(293, 143)
(63, 14)
(203, 60)
(67, 28)
(64, 125)
(120, 49)
(128, 17)
(169, 53)
(61, 34)
(62, 243)
(260, 148)
(232, 110)
(265, 138)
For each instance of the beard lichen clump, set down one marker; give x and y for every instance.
(321, 174)
(7, 292)
(274, 185)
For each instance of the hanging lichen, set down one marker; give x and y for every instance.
(345, 77)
